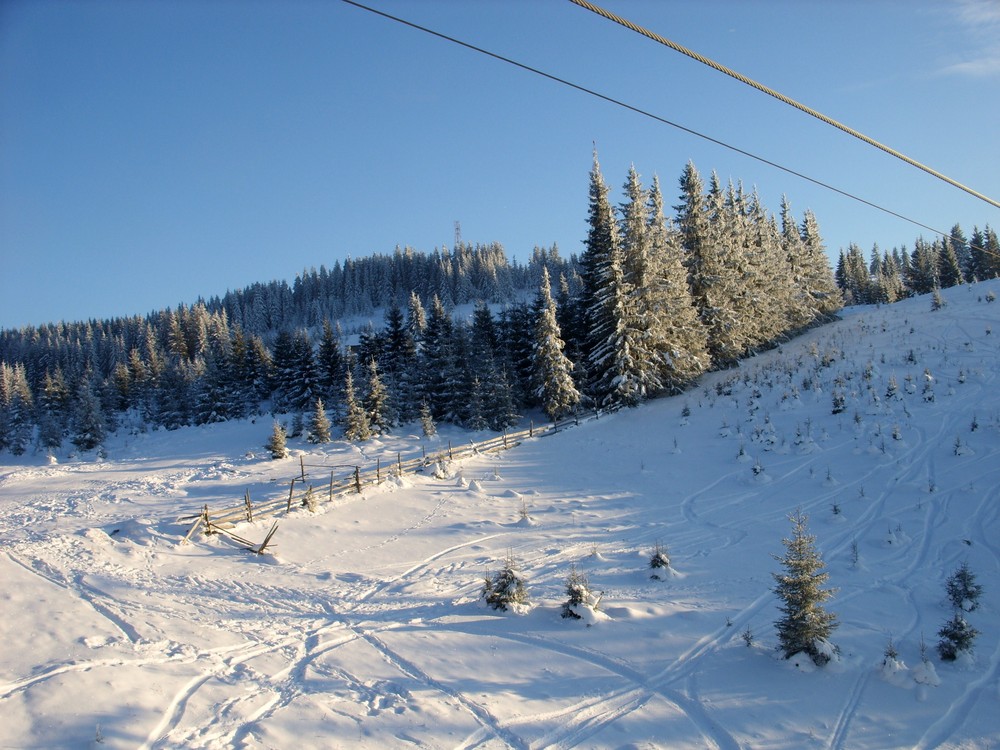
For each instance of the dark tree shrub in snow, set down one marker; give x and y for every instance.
(957, 636)
(276, 443)
(88, 424)
(805, 626)
(505, 589)
(579, 596)
(963, 591)
(839, 402)
(659, 562)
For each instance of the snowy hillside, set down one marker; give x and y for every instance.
(364, 626)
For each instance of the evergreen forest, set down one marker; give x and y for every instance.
(466, 335)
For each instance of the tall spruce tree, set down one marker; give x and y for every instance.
(16, 405)
(817, 283)
(551, 369)
(805, 626)
(602, 249)
(400, 362)
(642, 323)
(54, 410)
(89, 429)
(680, 338)
(715, 272)
(948, 264)
(960, 245)
(330, 364)
(440, 368)
(924, 275)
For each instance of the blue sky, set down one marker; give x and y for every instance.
(155, 152)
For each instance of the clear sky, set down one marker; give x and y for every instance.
(155, 152)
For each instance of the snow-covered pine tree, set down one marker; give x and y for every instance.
(716, 277)
(15, 408)
(579, 596)
(175, 393)
(427, 421)
(659, 562)
(815, 277)
(614, 365)
(957, 636)
(805, 626)
(285, 371)
(356, 425)
(506, 588)
(53, 411)
(257, 371)
(319, 424)
(948, 264)
(378, 402)
(416, 318)
(854, 278)
(400, 364)
(963, 591)
(602, 297)
(801, 312)
(330, 364)
(486, 363)
(924, 274)
(276, 444)
(679, 336)
(88, 418)
(642, 330)
(439, 366)
(770, 297)
(960, 246)
(551, 370)
(516, 330)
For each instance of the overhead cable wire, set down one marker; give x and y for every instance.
(777, 95)
(644, 113)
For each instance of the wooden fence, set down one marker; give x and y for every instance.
(302, 493)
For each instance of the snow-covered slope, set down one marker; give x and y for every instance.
(364, 627)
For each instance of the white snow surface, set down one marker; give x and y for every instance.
(362, 627)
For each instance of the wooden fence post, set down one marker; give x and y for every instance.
(399, 464)
(331, 486)
(531, 428)
(302, 467)
(249, 507)
(291, 489)
(378, 470)
(357, 478)
(450, 456)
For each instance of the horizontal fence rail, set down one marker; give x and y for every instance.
(302, 493)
